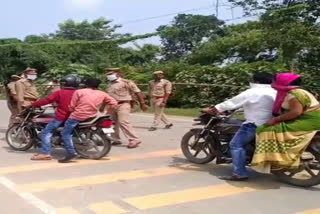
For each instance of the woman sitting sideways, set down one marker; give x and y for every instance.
(281, 142)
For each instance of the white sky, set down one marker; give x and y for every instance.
(20, 18)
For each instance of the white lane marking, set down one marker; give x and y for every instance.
(30, 198)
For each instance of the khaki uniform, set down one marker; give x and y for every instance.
(122, 91)
(26, 92)
(53, 89)
(12, 103)
(157, 91)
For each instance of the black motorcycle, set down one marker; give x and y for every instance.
(203, 145)
(91, 137)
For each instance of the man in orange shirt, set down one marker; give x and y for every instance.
(84, 104)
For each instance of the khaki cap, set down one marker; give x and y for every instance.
(30, 69)
(112, 70)
(15, 77)
(158, 72)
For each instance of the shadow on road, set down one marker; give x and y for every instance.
(141, 127)
(57, 153)
(3, 130)
(257, 181)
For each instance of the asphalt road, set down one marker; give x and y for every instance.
(152, 179)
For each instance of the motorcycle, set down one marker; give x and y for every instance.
(203, 145)
(91, 138)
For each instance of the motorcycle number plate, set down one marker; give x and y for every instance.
(108, 130)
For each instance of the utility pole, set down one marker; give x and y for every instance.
(217, 8)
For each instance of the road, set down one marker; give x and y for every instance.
(152, 179)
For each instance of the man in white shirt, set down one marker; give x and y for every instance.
(257, 102)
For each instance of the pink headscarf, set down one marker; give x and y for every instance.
(282, 85)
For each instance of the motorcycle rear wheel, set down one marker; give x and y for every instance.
(307, 175)
(19, 138)
(192, 145)
(92, 145)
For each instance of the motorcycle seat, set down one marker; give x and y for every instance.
(88, 120)
(47, 115)
(92, 120)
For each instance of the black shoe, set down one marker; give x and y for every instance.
(68, 158)
(233, 178)
(168, 126)
(117, 142)
(153, 129)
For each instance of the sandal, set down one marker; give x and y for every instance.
(41, 157)
(133, 144)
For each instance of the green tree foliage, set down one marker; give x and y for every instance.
(195, 50)
(9, 41)
(141, 55)
(95, 54)
(285, 32)
(241, 43)
(99, 29)
(186, 32)
(254, 6)
(36, 39)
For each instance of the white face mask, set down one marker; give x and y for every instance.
(31, 76)
(112, 77)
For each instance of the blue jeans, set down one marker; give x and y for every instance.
(46, 135)
(244, 135)
(66, 133)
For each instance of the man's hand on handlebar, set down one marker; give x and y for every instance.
(210, 110)
(28, 107)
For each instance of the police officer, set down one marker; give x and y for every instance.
(53, 86)
(159, 92)
(12, 98)
(123, 91)
(26, 90)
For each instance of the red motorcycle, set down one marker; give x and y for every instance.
(91, 138)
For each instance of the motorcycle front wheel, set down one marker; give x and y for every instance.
(196, 149)
(19, 138)
(91, 144)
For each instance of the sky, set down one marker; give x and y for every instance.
(21, 18)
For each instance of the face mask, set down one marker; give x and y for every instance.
(31, 77)
(157, 78)
(112, 77)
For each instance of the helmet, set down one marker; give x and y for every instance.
(70, 81)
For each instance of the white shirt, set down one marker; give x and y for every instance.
(257, 103)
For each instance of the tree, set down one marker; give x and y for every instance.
(186, 32)
(254, 6)
(141, 55)
(241, 43)
(285, 32)
(36, 38)
(290, 32)
(99, 29)
(8, 41)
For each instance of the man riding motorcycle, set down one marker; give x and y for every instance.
(84, 105)
(62, 98)
(257, 102)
